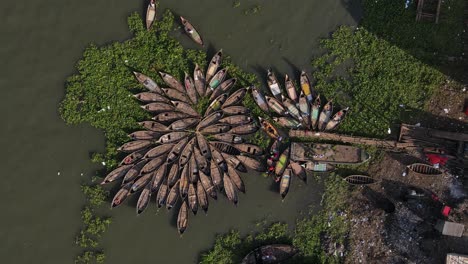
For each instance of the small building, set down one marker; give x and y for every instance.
(450, 228)
(453, 258)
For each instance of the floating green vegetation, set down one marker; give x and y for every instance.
(202, 104)
(236, 4)
(253, 10)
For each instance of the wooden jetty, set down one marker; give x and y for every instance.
(328, 153)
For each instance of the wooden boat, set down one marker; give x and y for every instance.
(229, 189)
(251, 163)
(190, 88)
(154, 126)
(285, 182)
(290, 88)
(224, 87)
(216, 103)
(214, 65)
(305, 86)
(147, 82)
(136, 145)
(336, 119)
(159, 176)
(202, 197)
(217, 79)
(203, 145)
(287, 122)
(270, 254)
(359, 180)
(328, 153)
(121, 195)
(216, 129)
(228, 138)
(208, 185)
(134, 172)
(234, 162)
(291, 108)
(298, 170)
(169, 117)
(193, 170)
(151, 97)
(157, 107)
(177, 150)
(244, 129)
(184, 182)
(161, 197)
(141, 182)
(150, 14)
(274, 149)
(325, 115)
(283, 162)
(235, 110)
(273, 84)
(192, 199)
(182, 218)
(275, 105)
(191, 31)
(158, 151)
(173, 196)
(250, 149)
(218, 158)
(199, 80)
(236, 179)
(172, 137)
(185, 108)
(225, 148)
(318, 167)
(144, 135)
(202, 163)
(117, 174)
(133, 157)
(173, 175)
(153, 164)
(210, 119)
(235, 98)
(314, 116)
(215, 174)
(236, 120)
(184, 123)
(304, 107)
(186, 153)
(259, 98)
(175, 94)
(172, 82)
(424, 169)
(144, 199)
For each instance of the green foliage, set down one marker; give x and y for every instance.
(202, 104)
(88, 257)
(236, 4)
(96, 195)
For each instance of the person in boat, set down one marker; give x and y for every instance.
(189, 30)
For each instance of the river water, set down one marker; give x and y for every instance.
(43, 159)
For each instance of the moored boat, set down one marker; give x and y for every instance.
(217, 79)
(147, 82)
(285, 182)
(215, 174)
(175, 94)
(202, 197)
(235, 110)
(291, 108)
(298, 170)
(184, 123)
(270, 254)
(228, 138)
(251, 163)
(216, 103)
(214, 65)
(134, 172)
(158, 151)
(318, 167)
(144, 199)
(283, 162)
(153, 126)
(273, 84)
(192, 199)
(336, 119)
(236, 120)
(121, 195)
(235, 98)
(144, 135)
(234, 162)
(150, 14)
(199, 80)
(224, 87)
(305, 86)
(216, 129)
(276, 105)
(208, 185)
(287, 122)
(244, 129)
(315, 112)
(158, 107)
(133, 157)
(324, 117)
(424, 169)
(260, 99)
(185, 108)
(359, 180)
(172, 137)
(190, 88)
(173, 175)
(117, 173)
(250, 149)
(135, 145)
(269, 129)
(172, 82)
(328, 153)
(182, 218)
(176, 150)
(151, 97)
(184, 182)
(153, 164)
(162, 195)
(229, 189)
(290, 89)
(203, 145)
(169, 117)
(236, 179)
(173, 196)
(191, 31)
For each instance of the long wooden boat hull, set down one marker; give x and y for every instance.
(182, 218)
(285, 183)
(199, 80)
(191, 31)
(359, 180)
(260, 99)
(150, 14)
(424, 169)
(214, 65)
(319, 167)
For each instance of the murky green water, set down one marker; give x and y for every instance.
(41, 42)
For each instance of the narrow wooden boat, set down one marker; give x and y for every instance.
(318, 167)
(147, 82)
(141, 182)
(185, 108)
(191, 31)
(244, 129)
(224, 87)
(270, 254)
(186, 153)
(144, 199)
(234, 162)
(214, 65)
(150, 14)
(199, 80)
(153, 164)
(218, 158)
(210, 119)
(121, 195)
(172, 82)
(359, 180)
(229, 189)
(172, 137)
(273, 84)
(298, 170)
(285, 182)
(236, 120)
(134, 172)
(217, 79)
(215, 174)
(325, 115)
(216, 103)
(291, 108)
(236, 110)
(305, 86)
(315, 112)
(158, 151)
(194, 172)
(182, 218)
(225, 148)
(159, 176)
(144, 135)
(216, 129)
(274, 149)
(208, 185)
(169, 117)
(235, 98)
(133, 157)
(136, 145)
(252, 163)
(161, 197)
(173, 175)
(202, 197)
(250, 149)
(276, 105)
(184, 123)
(304, 109)
(290, 88)
(151, 97)
(192, 199)
(228, 138)
(283, 162)
(287, 122)
(190, 88)
(424, 169)
(117, 174)
(154, 126)
(176, 95)
(202, 163)
(236, 179)
(203, 145)
(259, 98)
(156, 108)
(336, 119)
(184, 182)
(173, 196)
(177, 150)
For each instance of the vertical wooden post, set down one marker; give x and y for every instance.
(438, 11)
